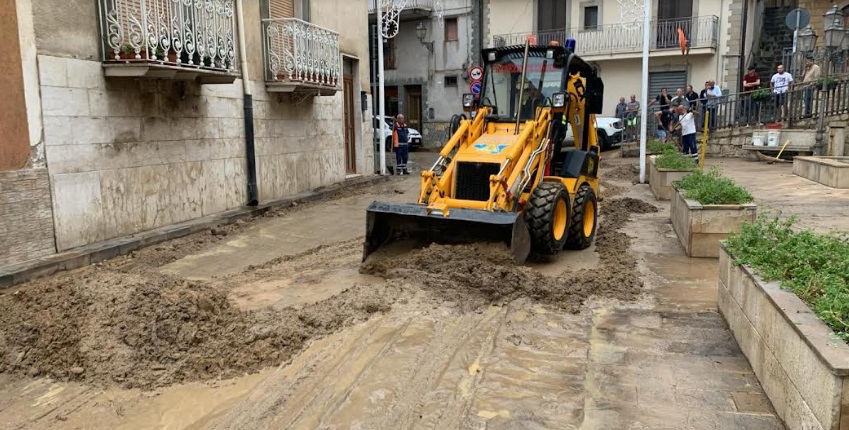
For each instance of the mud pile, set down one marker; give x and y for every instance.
(474, 275)
(622, 172)
(150, 331)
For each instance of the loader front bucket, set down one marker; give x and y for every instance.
(389, 222)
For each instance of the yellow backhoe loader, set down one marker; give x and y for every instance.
(503, 175)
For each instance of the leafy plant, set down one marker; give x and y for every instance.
(761, 94)
(658, 147)
(712, 188)
(671, 158)
(813, 266)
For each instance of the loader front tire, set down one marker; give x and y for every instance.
(548, 218)
(584, 220)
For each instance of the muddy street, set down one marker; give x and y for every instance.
(276, 323)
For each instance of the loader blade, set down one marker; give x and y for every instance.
(389, 222)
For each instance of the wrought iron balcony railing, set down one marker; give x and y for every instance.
(702, 32)
(169, 36)
(409, 4)
(300, 55)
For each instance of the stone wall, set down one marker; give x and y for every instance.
(436, 134)
(26, 222)
(128, 156)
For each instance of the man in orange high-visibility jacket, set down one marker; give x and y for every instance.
(401, 138)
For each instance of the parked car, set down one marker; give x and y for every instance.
(388, 122)
(609, 131)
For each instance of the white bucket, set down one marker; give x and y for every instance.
(758, 140)
(772, 138)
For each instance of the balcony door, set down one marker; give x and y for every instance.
(671, 15)
(551, 15)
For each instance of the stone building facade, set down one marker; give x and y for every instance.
(425, 79)
(118, 147)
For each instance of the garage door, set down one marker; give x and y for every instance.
(669, 80)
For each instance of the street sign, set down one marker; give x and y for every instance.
(476, 73)
(797, 18)
(475, 88)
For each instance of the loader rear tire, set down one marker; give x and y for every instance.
(584, 220)
(548, 218)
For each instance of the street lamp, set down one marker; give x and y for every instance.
(421, 33)
(835, 42)
(807, 39)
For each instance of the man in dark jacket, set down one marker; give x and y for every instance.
(402, 138)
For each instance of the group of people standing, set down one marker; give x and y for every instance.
(678, 112)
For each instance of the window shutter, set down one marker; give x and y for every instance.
(281, 9)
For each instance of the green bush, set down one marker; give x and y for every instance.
(658, 147)
(712, 188)
(813, 266)
(673, 159)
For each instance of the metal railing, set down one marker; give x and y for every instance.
(299, 52)
(185, 33)
(703, 32)
(409, 4)
(756, 108)
(801, 102)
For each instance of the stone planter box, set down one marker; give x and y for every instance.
(701, 228)
(802, 366)
(662, 179)
(829, 171)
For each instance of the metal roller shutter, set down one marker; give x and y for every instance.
(669, 80)
(281, 9)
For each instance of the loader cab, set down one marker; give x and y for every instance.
(508, 95)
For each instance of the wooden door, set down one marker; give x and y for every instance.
(350, 130)
(414, 108)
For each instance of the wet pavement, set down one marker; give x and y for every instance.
(666, 361)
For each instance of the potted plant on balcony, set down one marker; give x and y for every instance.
(828, 84)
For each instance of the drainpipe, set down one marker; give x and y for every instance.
(250, 147)
(742, 64)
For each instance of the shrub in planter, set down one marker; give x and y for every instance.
(785, 294)
(664, 169)
(813, 266)
(673, 159)
(712, 188)
(658, 147)
(706, 208)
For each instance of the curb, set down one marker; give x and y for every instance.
(86, 255)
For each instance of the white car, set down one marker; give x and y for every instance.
(388, 122)
(609, 131)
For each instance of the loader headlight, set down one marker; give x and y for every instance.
(490, 57)
(558, 100)
(468, 100)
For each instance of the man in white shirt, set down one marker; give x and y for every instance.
(780, 84)
(688, 132)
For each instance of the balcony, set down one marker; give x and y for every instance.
(169, 39)
(300, 57)
(626, 40)
(413, 10)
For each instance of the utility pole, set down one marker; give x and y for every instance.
(381, 101)
(645, 92)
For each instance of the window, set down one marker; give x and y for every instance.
(450, 81)
(389, 54)
(551, 15)
(451, 29)
(590, 17)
